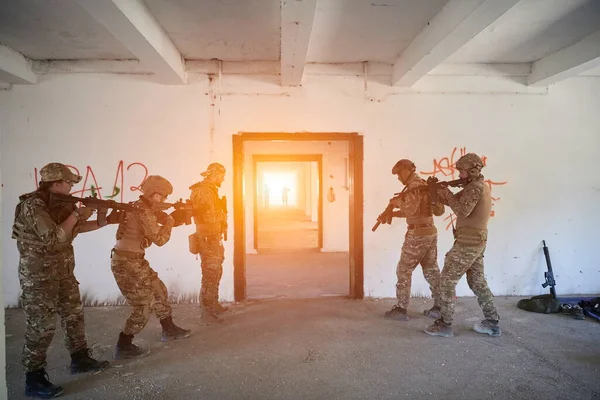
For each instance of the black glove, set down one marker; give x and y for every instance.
(115, 217)
(179, 217)
(161, 217)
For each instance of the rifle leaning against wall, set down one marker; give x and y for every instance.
(549, 275)
(101, 206)
(433, 185)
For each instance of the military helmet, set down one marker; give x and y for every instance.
(214, 168)
(469, 161)
(58, 172)
(402, 165)
(156, 184)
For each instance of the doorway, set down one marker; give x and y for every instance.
(245, 191)
(288, 202)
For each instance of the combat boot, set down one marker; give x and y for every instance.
(433, 312)
(208, 315)
(487, 326)
(38, 385)
(398, 313)
(219, 309)
(81, 361)
(440, 328)
(172, 331)
(125, 349)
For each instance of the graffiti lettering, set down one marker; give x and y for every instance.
(94, 189)
(446, 166)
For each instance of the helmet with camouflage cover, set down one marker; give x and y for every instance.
(469, 161)
(212, 169)
(403, 164)
(156, 184)
(58, 172)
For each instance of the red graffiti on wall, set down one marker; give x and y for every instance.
(446, 166)
(96, 190)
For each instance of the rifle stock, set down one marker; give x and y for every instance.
(101, 206)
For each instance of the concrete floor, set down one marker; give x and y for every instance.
(297, 275)
(281, 230)
(332, 349)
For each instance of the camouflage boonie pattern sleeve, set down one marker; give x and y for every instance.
(203, 199)
(409, 203)
(37, 218)
(463, 203)
(148, 223)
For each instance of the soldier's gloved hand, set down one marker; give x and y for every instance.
(170, 221)
(84, 213)
(178, 217)
(444, 193)
(115, 217)
(162, 217)
(385, 218)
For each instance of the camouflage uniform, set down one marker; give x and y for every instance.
(48, 284)
(211, 222)
(420, 242)
(138, 282)
(472, 207)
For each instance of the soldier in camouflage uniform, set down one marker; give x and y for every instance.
(138, 282)
(472, 206)
(211, 222)
(420, 241)
(44, 231)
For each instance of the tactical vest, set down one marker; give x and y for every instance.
(472, 229)
(130, 237)
(209, 217)
(24, 233)
(421, 224)
(480, 215)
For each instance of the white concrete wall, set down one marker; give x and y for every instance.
(335, 215)
(545, 146)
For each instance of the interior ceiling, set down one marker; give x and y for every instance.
(249, 30)
(531, 30)
(228, 30)
(358, 30)
(342, 31)
(56, 29)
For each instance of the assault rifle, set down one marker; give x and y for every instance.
(386, 215)
(183, 213)
(549, 275)
(433, 184)
(101, 206)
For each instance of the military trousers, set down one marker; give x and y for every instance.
(143, 289)
(49, 287)
(417, 250)
(461, 260)
(212, 255)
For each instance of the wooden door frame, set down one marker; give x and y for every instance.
(260, 158)
(355, 183)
